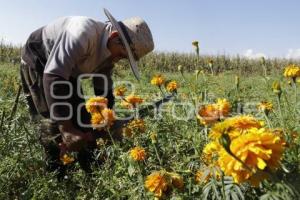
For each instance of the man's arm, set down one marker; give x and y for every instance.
(101, 88)
(64, 56)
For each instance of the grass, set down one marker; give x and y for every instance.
(179, 141)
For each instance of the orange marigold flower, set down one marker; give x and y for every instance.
(157, 183)
(103, 119)
(257, 149)
(138, 154)
(208, 114)
(132, 101)
(158, 80)
(211, 113)
(234, 126)
(96, 104)
(172, 86)
(66, 159)
(120, 91)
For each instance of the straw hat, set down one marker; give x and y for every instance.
(136, 37)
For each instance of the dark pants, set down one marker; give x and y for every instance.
(50, 137)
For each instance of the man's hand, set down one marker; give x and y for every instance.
(76, 140)
(73, 139)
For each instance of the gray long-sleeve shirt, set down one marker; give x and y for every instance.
(75, 45)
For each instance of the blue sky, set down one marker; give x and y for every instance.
(251, 28)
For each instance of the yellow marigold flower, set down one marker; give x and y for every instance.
(103, 119)
(211, 113)
(172, 86)
(158, 80)
(96, 104)
(132, 101)
(234, 126)
(265, 106)
(292, 71)
(66, 159)
(244, 122)
(257, 149)
(120, 91)
(157, 183)
(138, 154)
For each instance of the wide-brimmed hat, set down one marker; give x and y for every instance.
(136, 37)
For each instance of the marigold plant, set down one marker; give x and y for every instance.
(157, 183)
(292, 71)
(120, 91)
(138, 154)
(257, 150)
(96, 104)
(67, 159)
(234, 126)
(211, 113)
(172, 86)
(158, 80)
(103, 119)
(132, 101)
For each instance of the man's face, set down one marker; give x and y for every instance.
(116, 47)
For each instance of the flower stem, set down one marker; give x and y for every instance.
(163, 94)
(111, 137)
(295, 105)
(267, 120)
(157, 155)
(223, 187)
(281, 115)
(211, 70)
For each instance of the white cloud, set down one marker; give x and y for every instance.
(251, 55)
(293, 54)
